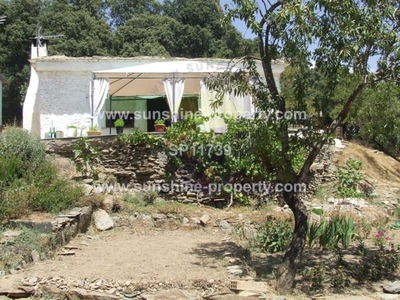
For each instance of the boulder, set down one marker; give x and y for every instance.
(102, 220)
(392, 288)
(225, 226)
(174, 294)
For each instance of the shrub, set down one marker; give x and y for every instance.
(377, 265)
(349, 178)
(315, 276)
(28, 179)
(274, 236)
(19, 144)
(339, 278)
(86, 157)
(49, 185)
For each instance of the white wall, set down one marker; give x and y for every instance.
(63, 100)
(30, 111)
(60, 91)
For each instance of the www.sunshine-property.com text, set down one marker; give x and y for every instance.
(259, 187)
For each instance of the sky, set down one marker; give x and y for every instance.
(246, 33)
(240, 25)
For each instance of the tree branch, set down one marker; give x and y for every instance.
(339, 120)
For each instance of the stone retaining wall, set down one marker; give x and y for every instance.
(131, 165)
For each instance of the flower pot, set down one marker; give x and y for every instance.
(201, 127)
(93, 133)
(119, 130)
(72, 132)
(159, 127)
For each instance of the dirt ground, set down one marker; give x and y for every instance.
(148, 254)
(171, 256)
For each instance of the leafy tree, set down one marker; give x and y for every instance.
(377, 116)
(147, 35)
(83, 25)
(201, 33)
(345, 34)
(121, 11)
(15, 34)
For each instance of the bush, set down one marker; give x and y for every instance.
(350, 177)
(377, 265)
(315, 276)
(28, 179)
(53, 192)
(274, 236)
(20, 144)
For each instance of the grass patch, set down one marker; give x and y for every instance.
(150, 202)
(18, 250)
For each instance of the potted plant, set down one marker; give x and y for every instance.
(93, 130)
(119, 126)
(72, 131)
(199, 121)
(159, 125)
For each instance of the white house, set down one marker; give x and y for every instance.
(84, 90)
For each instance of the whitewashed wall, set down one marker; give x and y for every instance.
(64, 100)
(59, 94)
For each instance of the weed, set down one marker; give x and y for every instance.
(320, 193)
(315, 276)
(361, 249)
(349, 178)
(339, 278)
(312, 233)
(377, 265)
(20, 248)
(86, 157)
(274, 236)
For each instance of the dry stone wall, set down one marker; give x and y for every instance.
(132, 168)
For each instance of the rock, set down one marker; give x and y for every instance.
(50, 290)
(159, 216)
(236, 270)
(108, 203)
(225, 296)
(9, 288)
(185, 220)
(78, 294)
(338, 144)
(332, 200)
(392, 288)
(204, 219)
(225, 226)
(249, 233)
(35, 256)
(173, 294)
(102, 220)
(317, 168)
(13, 272)
(12, 233)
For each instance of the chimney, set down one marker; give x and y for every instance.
(38, 47)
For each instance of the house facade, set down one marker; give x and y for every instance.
(60, 91)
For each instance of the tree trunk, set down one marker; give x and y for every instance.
(288, 268)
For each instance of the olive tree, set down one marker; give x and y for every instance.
(335, 34)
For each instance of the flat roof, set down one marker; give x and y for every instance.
(63, 58)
